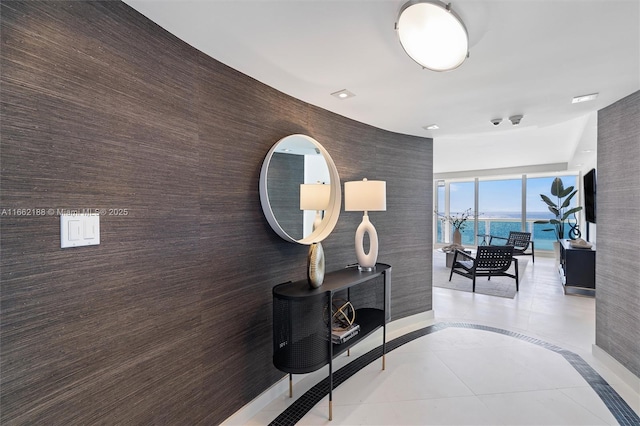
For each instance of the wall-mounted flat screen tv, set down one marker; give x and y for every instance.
(590, 196)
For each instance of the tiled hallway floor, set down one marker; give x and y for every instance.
(469, 374)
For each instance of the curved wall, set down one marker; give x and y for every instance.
(168, 320)
(617, 267)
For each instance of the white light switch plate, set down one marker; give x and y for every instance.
(77, 230)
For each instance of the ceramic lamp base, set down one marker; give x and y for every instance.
(366, 260)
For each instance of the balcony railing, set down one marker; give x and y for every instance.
(500, 227)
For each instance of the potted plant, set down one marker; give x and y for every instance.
(560, 209)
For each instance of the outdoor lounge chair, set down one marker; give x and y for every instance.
(490, 261)
(521, 241)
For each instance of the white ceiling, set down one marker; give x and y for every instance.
(528, 57)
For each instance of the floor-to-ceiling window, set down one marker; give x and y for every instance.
(461, 199)
(440, 205)
(499, 205)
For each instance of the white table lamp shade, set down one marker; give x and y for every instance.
(365, 195)
(314, 196)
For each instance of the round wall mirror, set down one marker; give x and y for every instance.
(300, 190)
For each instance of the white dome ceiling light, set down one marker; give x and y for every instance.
(432, 34)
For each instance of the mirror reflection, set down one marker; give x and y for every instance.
(296, 161)
(299, 188)
(314, 201)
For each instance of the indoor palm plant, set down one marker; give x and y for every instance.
(560, 209)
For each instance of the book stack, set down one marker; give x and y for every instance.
(341, 336)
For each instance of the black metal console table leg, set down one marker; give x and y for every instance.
(330, 358)
(384, 316)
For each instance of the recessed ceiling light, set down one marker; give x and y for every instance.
(587, 150)
(431, 127)
(584, 98)
(343, 94)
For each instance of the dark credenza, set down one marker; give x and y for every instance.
(577, 267)
(301, 327)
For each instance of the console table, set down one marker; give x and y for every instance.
(302, 319)
(577, 267)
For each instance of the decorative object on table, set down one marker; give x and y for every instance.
(315, 265)
(574, 232)
(560, 209)
(342, 335)
(366, 195)
(457, 237)
(432, 34)
(580, 243)
(458, 223)
(343, 315)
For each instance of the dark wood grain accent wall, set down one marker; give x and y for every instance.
(617, 266)
(168, 320)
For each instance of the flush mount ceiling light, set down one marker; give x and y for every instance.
(431, 127)
(432, 34)
(343, 94)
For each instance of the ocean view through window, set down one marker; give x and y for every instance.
(498, 206)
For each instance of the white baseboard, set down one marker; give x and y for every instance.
(243, 415)
(618, 369)
(394, 329)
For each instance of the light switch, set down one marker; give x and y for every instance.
(75, 230)
(80, 229)
(89, 230)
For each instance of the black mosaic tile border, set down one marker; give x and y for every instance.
(623, 414)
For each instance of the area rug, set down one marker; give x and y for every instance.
(497, 286)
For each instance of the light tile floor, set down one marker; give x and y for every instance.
(466, 376)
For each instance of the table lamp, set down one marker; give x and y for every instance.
(366, 195)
